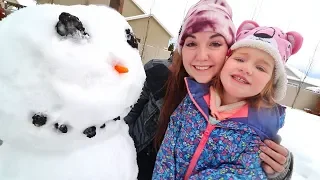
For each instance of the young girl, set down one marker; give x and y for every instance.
(222, 141)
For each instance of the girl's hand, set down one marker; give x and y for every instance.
(273, 156)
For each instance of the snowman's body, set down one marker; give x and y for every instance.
(111, 159)
(68, 76)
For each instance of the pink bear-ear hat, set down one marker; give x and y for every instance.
(273, 41)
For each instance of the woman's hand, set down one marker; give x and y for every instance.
(274, 157)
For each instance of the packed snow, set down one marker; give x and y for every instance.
(300, 136)
(62, 98)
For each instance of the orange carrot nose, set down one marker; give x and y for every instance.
(121, 69)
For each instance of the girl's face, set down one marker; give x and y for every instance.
(203, 55)
(246, 72)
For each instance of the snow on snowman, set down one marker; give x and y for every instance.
(68, 76)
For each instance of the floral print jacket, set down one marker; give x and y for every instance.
(197, 146)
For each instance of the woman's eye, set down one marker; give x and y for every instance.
(190, 44)
(239, 59)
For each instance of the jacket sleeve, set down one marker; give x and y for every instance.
(165, 162)
(247, 165)
(282, 114)
(157, 75)
(287, 173)
(135, 112)
(289, 169)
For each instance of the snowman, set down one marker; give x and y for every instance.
(68, 77)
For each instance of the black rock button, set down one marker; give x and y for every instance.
(39, 120)
(90, 131)
(103, 126)
(117, 118)
(62, 128)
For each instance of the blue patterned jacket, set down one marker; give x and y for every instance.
(228, 149)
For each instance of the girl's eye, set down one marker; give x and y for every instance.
(261, 69)
(215, 44)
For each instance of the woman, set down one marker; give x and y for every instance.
(143, 118)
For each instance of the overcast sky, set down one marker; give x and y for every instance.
(290, 15)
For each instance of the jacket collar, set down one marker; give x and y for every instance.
(197, 91)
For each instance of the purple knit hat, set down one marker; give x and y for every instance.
(208, 15)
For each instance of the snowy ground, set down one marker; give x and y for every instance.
(299, 135)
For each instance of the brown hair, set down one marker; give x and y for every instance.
(265, 98)
(176, 91)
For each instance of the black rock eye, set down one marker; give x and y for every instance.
(39, 119)
(90, 131)
(131, 39)
(117, 118)
(61, 127)
(103, 126)
(69, 25)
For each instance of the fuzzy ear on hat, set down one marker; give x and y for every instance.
(296, 41)
(247, 25)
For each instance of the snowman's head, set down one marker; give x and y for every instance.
(67, 75)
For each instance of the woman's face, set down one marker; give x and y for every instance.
(203, 55)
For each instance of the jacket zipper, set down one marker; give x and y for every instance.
(204, 138)
(196, 155)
